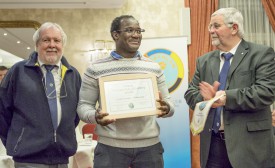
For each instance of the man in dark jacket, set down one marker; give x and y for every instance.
(238, 133)
(36, 133)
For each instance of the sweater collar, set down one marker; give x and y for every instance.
(115, 55)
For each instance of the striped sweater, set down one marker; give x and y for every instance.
(123, 133)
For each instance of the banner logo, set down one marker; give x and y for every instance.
(171, 64)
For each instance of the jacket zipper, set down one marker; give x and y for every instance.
(19, 140)
(54, 135)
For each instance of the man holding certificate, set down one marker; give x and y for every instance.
(131, 92)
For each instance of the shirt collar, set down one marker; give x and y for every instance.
(41, 63)
(115, 55)
(233, 50)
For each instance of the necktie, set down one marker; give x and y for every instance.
(51, 94)
(222, 80)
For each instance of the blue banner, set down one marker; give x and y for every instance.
(171, 54)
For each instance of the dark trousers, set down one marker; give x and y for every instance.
(34, 165)
(218, 157)
(112, 157)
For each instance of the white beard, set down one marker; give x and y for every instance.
(216, 42)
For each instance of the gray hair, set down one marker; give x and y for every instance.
(36, 35)
(230, 16)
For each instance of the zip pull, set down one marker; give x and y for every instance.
(54, 135)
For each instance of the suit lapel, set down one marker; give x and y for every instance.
(215, 66)
(237, 59)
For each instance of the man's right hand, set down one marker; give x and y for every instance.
(208, 91)
(99, 116)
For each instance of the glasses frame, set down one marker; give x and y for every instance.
(56, 96)
(132, 31)
(48, 41)
(216, 26)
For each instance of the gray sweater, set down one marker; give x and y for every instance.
(124, 133)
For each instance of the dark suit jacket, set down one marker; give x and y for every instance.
(250, 91)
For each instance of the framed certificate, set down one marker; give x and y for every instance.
(129, 95)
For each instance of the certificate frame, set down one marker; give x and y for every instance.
(127, 104)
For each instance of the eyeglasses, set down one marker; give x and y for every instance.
(132, 31)
(216, 26)
(60, 94)
(47, 41)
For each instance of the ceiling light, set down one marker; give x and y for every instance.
(28, 48)
(18, 42)
(5, 34)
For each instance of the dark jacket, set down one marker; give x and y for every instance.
(250, 91)
(25, 120)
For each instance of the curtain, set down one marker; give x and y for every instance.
(269, 7)
(200, 13)
(257, 28)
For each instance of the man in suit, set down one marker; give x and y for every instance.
(244, 137)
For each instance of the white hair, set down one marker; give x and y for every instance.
(36, 35)
(230, 16)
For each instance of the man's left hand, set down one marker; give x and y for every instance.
(221, 101)
(164, 107)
